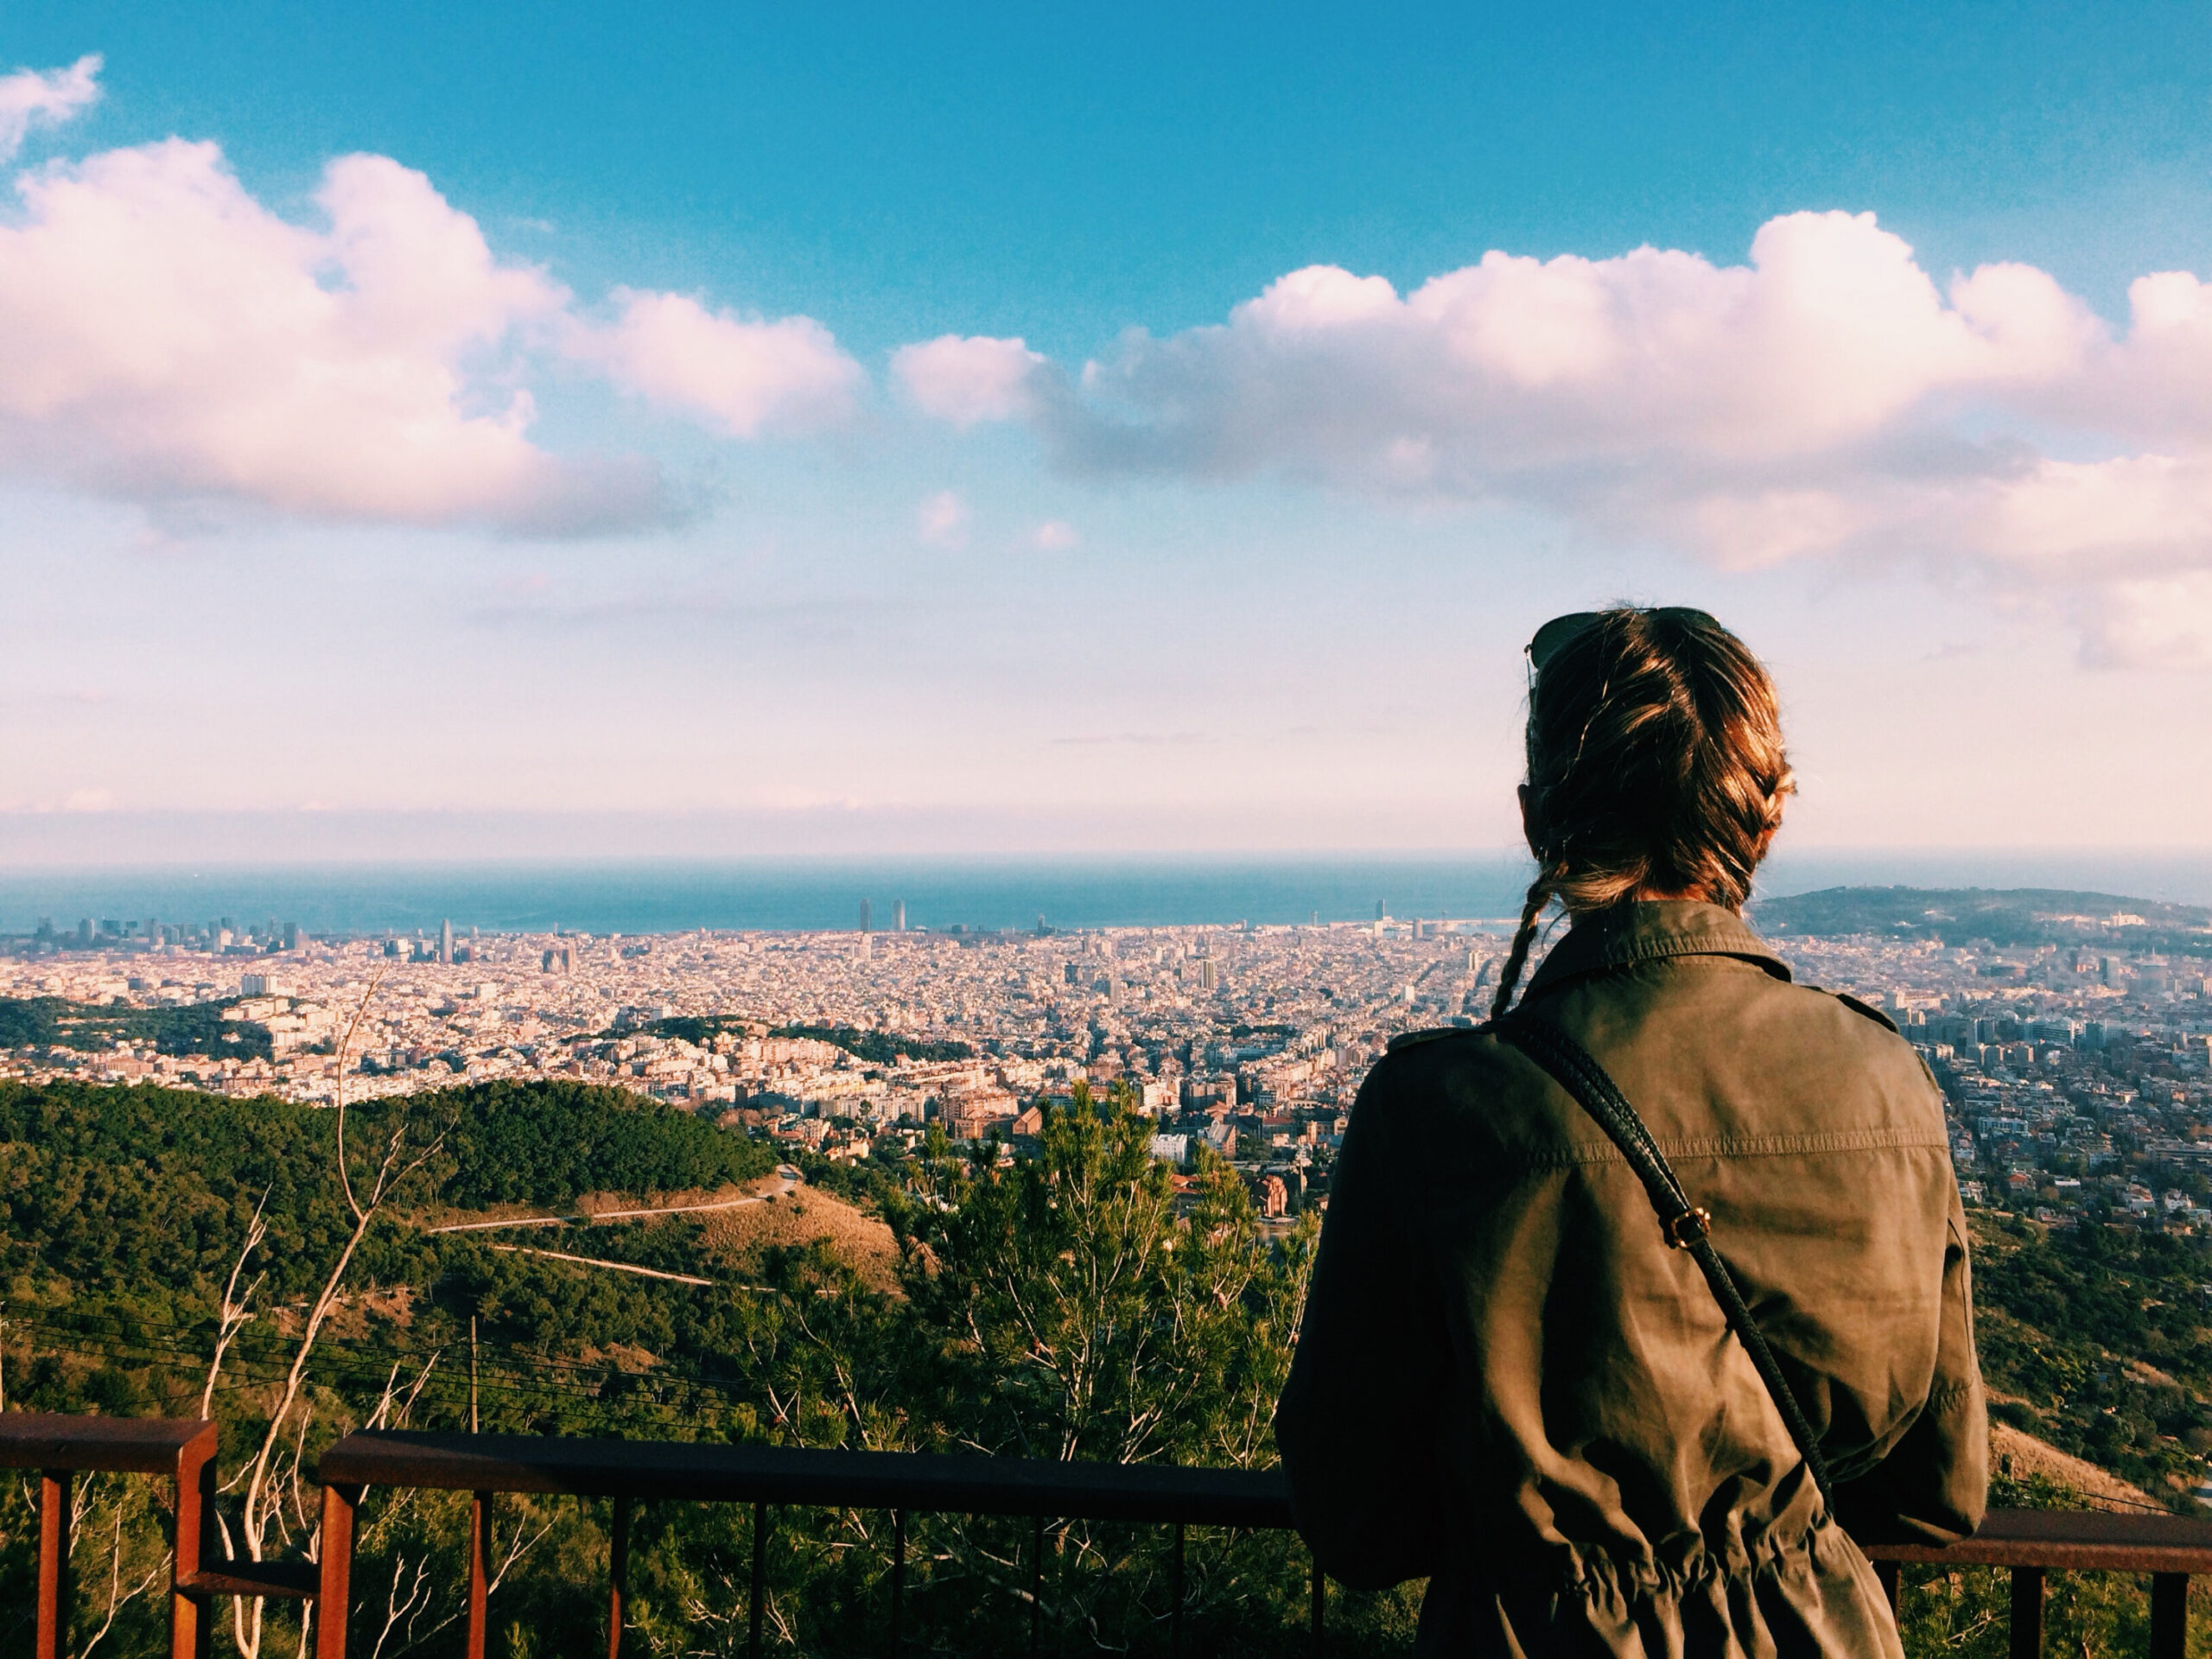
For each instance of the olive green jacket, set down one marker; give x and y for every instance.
(1507, 1382)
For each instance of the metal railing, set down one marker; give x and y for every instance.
(767, 1477)
(2169, 1549)
(62, 1448)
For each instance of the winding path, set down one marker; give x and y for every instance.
(598, 1262)
(788, 1176)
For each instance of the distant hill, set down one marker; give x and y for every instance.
(2008, 916)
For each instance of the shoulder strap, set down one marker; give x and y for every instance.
(1686, 1226)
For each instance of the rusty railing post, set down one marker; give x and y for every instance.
(759, 1580)
(52, 1562)
(334, 1600)
(1175, 1598)
(2169, 1615)
(1890, 1573)
(480, 1547)
(618, 1575)
(898, 1576)
(2026, 1641)
(1037, 1590)
(191, 1623)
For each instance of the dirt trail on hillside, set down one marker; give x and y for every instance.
(594, 1208)
(2030, 1456)
(731, 1237)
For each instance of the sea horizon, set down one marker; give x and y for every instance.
(983, 892)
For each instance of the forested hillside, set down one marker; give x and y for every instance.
(127, 1210)
(1071, 1305)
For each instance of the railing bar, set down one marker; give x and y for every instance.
(1888, 1574)
(618, 1575)
(898, 1575)
(192, 1538)
(335, 1598)
(1037, 1591)
(1175, 1599)
(479, 1546)
(53, 1562)
(759, 1580)
(2169, 1615)
(2026, 1637)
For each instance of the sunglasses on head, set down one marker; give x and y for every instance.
(1554, 634)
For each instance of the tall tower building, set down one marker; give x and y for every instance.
(445, 941)
(899, 916)
(864, 916)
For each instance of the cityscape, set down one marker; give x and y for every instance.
(730, 735)
(2077, 1077)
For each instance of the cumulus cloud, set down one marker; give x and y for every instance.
(1516, 368)
(168, 338)
(942, 520)
(32, 95)
(968, 381)
(743, 376)
(1828, 400)
(1054, 535)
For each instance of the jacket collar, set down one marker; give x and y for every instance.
(1650, 931)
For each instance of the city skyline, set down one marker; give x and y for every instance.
(857, 435)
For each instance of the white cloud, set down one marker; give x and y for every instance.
(942, 520)
(1828, 400)
(167, 336)
(743, 376)
(967, 381)
(30, 96)
(1054, 535)
(170, 339)
(2162, 620)
(1515, 367)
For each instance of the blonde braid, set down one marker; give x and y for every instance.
(1540, 894)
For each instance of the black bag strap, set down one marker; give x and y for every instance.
(1686, 1226)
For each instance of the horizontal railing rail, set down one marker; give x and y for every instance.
(62, 1448)
(903, 1483)
(2169, 1549)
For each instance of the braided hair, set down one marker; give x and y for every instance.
(1655, 769)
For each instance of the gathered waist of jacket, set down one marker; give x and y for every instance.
(1678, 1567)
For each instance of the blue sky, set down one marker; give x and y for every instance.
(653, 509)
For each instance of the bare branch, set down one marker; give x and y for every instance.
(116, 1595)
(396, 1609)
(232, 1314)
(345, 1045)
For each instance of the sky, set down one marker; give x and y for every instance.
(562, 430)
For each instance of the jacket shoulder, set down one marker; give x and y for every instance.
(1406, 1039)
(1866, 1009)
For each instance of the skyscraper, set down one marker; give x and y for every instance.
(445, 941)
(899, 916)
(864, 916)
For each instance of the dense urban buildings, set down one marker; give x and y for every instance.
(2075, 1075)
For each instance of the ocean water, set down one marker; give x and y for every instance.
(665, 896)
